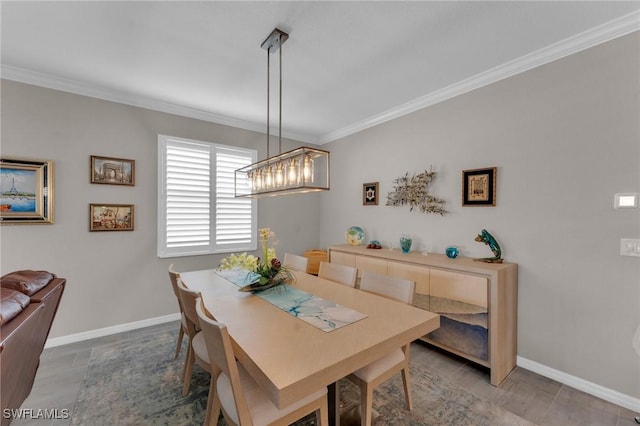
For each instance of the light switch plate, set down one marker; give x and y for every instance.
(629, 247)
(626, 201)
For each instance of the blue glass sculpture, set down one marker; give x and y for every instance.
(452, 252)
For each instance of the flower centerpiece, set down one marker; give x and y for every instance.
(267, 271)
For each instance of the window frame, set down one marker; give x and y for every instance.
(214, 150)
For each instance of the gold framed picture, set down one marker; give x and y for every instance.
(111, 217)
(370, 194)
(112, 171)
(26, 191)
(479, 187)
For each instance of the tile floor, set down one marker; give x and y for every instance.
(536, 398)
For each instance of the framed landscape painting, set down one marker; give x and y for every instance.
(26, 191)
(479, 187)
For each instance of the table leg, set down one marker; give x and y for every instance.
(334, 404)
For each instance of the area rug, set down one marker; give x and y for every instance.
(137, 382)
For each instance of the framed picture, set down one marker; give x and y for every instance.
(370, 194)
(113, 171)
(479, 187)
(26, 191)
(110, 217)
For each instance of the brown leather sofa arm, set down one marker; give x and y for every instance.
(23, 337)
(50, 296)
(27, 281)
(20, 356)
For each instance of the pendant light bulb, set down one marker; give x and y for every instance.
(259, 180)
(279, 174)
(268, 179)
(293, 172)
(308, 168)
(251, 178)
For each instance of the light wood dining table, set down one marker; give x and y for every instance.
(290, 358)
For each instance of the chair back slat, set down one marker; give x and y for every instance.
(174, 277)
(188, 298)
(342, 274)
(393, 288)
(293, 261)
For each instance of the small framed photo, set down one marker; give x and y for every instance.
(26, 191)
(479, 187)
(113, 171)
(111, 217)
(370, 194)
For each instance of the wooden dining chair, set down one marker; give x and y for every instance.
(372, 375)
(196, 349)
(342, 274)
(242, 401)
(202, 357)
(174, 277)
(293, 261)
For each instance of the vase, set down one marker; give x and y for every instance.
(257, 287)
(405, 243)
(452, 252)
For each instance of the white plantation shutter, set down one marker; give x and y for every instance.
(197, 210)
(188, 197)
(235, 228)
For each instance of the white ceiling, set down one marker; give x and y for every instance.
(347, 64)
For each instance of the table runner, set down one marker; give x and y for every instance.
(321, 313)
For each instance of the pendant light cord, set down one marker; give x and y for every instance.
(279, 45)
(280, 110)
(268, 98)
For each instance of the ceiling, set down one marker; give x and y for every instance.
(347, 65)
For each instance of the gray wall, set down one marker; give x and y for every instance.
(115, 277)
(565, 138)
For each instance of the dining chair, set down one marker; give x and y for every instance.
(293, 261)
(202, 358)
(196, 349)
(174, 277)
(342, 274)
(242, 401)
(372, 375)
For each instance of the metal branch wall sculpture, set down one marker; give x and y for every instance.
(414, 191)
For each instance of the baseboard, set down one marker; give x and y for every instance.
(594, 389)
(92, 334)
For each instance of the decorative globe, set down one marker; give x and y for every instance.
(354, 235)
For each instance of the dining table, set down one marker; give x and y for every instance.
(290, 358)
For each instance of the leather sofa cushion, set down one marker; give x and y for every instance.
(11, 304)
(27, 282)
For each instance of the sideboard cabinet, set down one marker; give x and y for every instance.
(477, 301)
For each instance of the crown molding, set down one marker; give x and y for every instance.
(36, 78)
(597, 35)
(590, 38)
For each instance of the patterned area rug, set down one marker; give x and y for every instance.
(138, 383)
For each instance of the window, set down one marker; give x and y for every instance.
(197, 209)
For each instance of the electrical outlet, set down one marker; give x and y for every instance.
(629, 247)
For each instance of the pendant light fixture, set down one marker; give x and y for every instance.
(297, 171)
